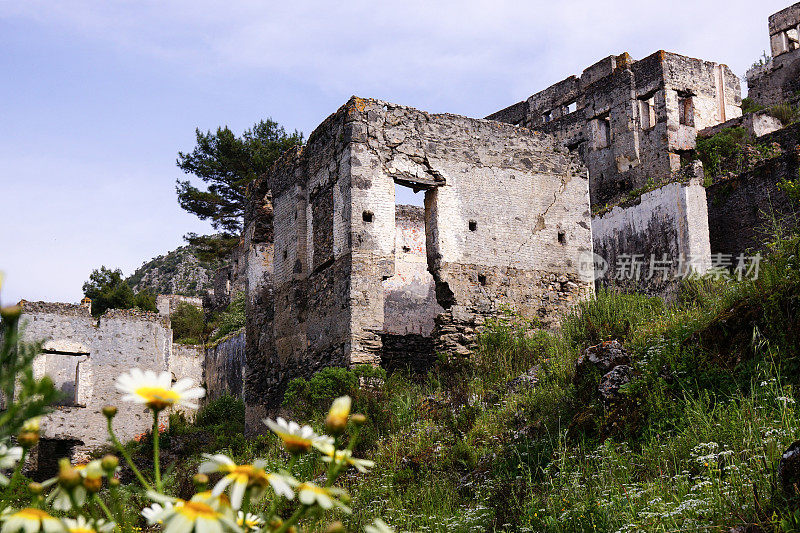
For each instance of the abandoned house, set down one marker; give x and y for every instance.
(778, 79)
(83, 355)
(506, 218)
(632, 122)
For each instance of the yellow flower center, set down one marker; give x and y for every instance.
(158, 397)
(195, 510)
(29, 513)
(295, 443)
(81, 530)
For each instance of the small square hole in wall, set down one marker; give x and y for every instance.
(562, 237)
(285, 254)
(482, 279)
(367, 216)
(473, 226)
(406, 249)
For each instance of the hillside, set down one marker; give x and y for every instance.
(176, 272)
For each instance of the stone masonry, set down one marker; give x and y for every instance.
(506, 218)
(84, 355)
(779, 79)
(632, 122)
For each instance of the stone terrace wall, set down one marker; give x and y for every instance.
(668, 223)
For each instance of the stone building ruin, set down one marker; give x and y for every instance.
(84, 355)
(632, 122)
(334, 288)
(778, 79)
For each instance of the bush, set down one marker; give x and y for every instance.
(225, 410)
(188, 324)
(750, 106)
(786, 113)
(718, 151)
(232, 318)
(610, 315)
(318, 392)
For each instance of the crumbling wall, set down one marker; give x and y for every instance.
(506, 218)
(745, 211)
(648, 244)
(224, 367)
(103, 348)
(779, 79)
(186, 361)
(631, 121)
(168, 303)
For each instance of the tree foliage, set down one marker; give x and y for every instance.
(108, 290)
(227, 164)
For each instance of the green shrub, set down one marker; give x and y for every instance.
(188, 324)
(610, 315)
(750, 106)
(225, 410)
(786, 113)
(232, 318)
(322, 388)
(722, 151)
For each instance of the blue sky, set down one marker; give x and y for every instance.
(99, 96)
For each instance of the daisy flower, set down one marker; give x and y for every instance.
(202, 514)
(336, 421)
(153, 513)
(9, 457)
(346, 457)
(242, 477)
(80, 525)
(29, 520)
(326, 497)
(298, 439)
(378, 526)
(156, 391)
(249, 521)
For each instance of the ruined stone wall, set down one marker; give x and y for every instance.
(649, 243)
(746, 210)
(102, 349)
(186, 361)
(224, 367)
(779, 79)
(410, 305)
(168, 303)
(631, 121)
(506, 217)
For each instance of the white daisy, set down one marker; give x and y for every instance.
(249, 521)
(298, 439)
(204, 513)
(346, 457)
(9, 457)
(153, 513)
(156, 391)
(326, 497)
(29, 520)
(81, 525)
(243, 477)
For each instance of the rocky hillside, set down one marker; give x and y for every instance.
(176, 272)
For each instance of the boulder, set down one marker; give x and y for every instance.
(524, 381)
(613, 381)
(602, 357)
(789, 468)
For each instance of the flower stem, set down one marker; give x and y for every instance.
(104, 507)
(156, 462)
(127, 457)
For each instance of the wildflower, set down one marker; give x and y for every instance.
(156, 391)
(346, 457)
(326, 497)
(336, 421)
(297, 439)
(29, 434)
(9, 457)
(153, 513)
(29, 520)
(242, 477)
(378, 526)
(204, 513)
(80, 525)
(249, 521)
